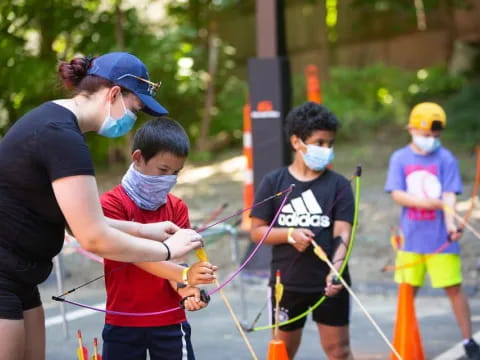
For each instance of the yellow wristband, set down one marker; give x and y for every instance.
(184, 275)
(290, 238)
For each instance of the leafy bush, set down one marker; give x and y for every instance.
(379, 97)
(463, 111)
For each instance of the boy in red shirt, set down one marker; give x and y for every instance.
(160, 148)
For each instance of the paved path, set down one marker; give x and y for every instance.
(215, 336)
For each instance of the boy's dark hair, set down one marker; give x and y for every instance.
(161, 135)
(303, 120)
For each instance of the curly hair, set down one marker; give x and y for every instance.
(303, 120)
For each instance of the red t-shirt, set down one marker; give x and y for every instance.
(131, 289)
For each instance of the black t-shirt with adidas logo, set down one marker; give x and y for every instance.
(315, 205)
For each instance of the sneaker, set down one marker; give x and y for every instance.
(472, 350)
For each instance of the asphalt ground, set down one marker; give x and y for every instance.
(215, 336)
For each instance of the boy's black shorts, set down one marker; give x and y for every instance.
(333, 311)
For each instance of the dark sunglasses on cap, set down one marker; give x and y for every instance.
(152, 87)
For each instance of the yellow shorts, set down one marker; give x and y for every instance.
(444, 269)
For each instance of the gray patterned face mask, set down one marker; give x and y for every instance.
(148, 192)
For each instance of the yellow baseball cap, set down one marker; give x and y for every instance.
(428, 116)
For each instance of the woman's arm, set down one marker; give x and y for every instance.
(78, 199)
(129, 227)
(157, 231)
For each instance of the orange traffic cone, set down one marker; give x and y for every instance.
(248, 192)
(406, 337)
(277, 350)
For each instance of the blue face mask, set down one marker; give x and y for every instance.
(427, 144)
(148, 192)
(112, 127)
(317, 157)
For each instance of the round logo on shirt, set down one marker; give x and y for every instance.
(424, 184)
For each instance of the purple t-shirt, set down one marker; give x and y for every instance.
(424, 176)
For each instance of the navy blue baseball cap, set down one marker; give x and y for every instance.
(127, 71)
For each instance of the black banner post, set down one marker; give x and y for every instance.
(270, 90)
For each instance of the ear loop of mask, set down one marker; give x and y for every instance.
(110, 107)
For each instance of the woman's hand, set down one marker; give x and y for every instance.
(160, 231)
(182, 242)
(192, 301)
(201, 273)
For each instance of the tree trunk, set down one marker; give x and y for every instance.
(450, 26)
(120, 152)
(213, 44)
(119, 21)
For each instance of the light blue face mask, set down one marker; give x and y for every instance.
(112, 127)
(427, 144)
(148, 192)
(317, 157)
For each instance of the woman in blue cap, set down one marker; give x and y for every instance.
(47, 181)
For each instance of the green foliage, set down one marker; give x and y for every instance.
(231, 101)
(401, 5)
(368, 97)
(29, 34)
(379, 97)
(463, 111)
(35, 35)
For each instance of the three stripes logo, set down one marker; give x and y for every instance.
(303, 211)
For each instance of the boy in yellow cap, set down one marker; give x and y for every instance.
(423, 177)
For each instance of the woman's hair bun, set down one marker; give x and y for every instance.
(72, 72)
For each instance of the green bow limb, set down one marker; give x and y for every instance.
(358, 174)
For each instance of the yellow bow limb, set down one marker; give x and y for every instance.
(201, 254)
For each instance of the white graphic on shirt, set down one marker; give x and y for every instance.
(424, 184)
(303, 211)
(282, 314)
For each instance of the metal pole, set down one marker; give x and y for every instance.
(235, 246)
(58, 263)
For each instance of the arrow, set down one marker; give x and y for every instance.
(278, 298)
(323, 256)
(96, 355)
(202, 256)
(82, 352)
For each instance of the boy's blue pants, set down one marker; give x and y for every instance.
(170, 342)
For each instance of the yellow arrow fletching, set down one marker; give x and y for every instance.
(393, 242)
(81, 354)
(278, 292)
(320, 253)
(201, 254)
